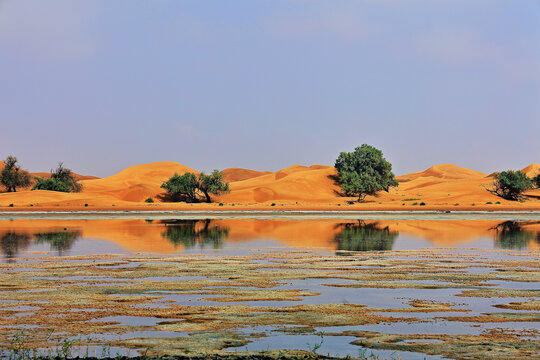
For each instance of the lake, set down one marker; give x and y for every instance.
(384, 286)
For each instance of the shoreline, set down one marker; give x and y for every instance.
(271, 214)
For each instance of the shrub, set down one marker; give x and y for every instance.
(149, 200)
(364, 172)
(62, 179)
(10, 205)
(193, 188)
(422, 204)
(415, 203)
(510, 184)
(85, 205)
(489, 203)
(536, 181)
(12, 177)
(273, 204)
(221, 204)
(498, 203)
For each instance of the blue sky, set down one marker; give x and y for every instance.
(103, 85)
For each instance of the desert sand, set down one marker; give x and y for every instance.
(441, 187)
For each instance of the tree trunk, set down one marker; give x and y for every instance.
(207, 196)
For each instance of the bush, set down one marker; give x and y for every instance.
(62, 179)
(273, 204)
(221, 204)
(422, 204)
(12, 177)
(149, 200)
(536, 181)
(364, 172)
(510, 184)
(10, 205)
(192, 188)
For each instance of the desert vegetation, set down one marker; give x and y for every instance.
(510, 185)
(364, 172)
(62, 179)
(195, 188)
(12, 176)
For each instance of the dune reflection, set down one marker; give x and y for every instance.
(173, 236)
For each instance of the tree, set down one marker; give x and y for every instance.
(192, 188)
(510, 184)
(212, 184)
(62, 179)
(536, 181)
(12, 177)
(364, 172)
(182, 187)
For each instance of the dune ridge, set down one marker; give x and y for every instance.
(444, 186)
(239, 174)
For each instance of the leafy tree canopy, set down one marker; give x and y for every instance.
(510, 184)
(364, 172)
(62, 179)
(192, 188)
(12, 177)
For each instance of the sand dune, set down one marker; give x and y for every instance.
(532, 170)
(79, 177)
(293, 184)
(239, 174)
(136, 183)
(444, 186)
(443, 171)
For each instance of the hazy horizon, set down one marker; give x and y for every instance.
(264, 85)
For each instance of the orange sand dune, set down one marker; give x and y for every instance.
(532, 170)
(293, 184)
(136, 183)
(441, 187)
(239, 174)
(47, 175)
(443, 171)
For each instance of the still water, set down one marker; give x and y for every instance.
(22, 238)
(410, 286)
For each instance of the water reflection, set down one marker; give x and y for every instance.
(12, 243)
(192, 233)
(59, 241)
(512, 235)
(362, 236)
(81, 236)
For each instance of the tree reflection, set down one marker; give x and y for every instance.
(363, 236)
(512, 235)
(60, 241)
(12, 243)
(192, 233)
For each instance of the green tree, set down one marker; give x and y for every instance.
(212, 184)
(510, 184)
(12, 177)
(192, 188)
(182, 187)
(62, 179)
(536, 181)
(364, 172)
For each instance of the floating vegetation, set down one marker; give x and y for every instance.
(197, 305)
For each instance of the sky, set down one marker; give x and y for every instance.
(264, 84)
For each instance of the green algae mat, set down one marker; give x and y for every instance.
(425, 303)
